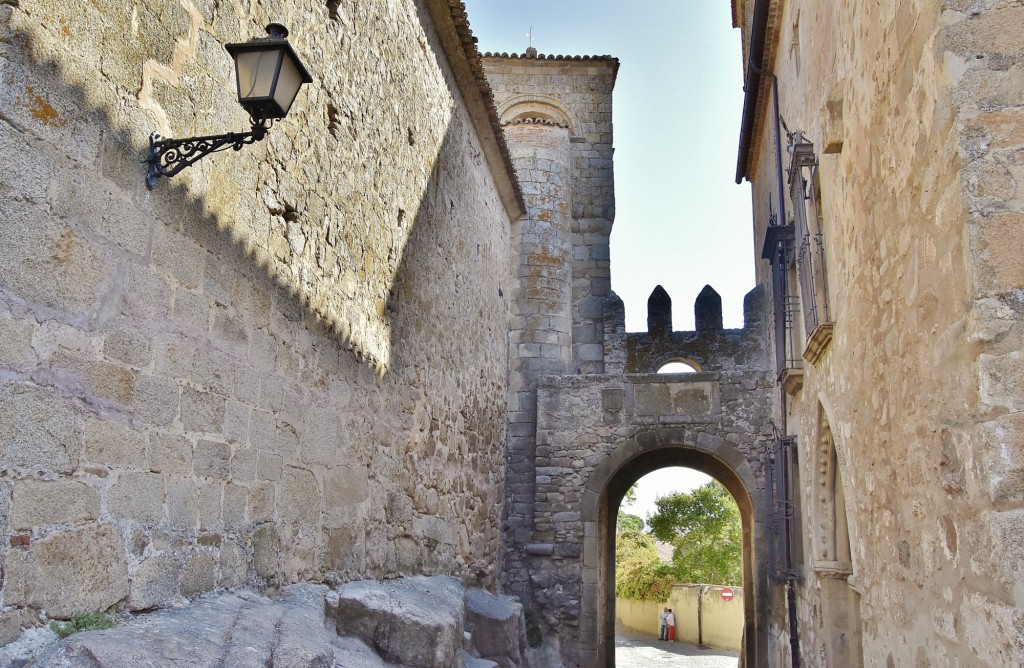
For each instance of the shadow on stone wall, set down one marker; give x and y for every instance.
(178, 418)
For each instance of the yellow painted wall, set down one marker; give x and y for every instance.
(722, 621)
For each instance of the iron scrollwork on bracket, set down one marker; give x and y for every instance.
(167, 157)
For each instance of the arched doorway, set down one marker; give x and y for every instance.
(609, 483)
(834, 563)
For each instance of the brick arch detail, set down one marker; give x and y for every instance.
(543, 106)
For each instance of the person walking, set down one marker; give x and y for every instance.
(670, 620)
(664, 624)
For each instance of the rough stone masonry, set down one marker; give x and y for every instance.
(383, 341)
(246, 377)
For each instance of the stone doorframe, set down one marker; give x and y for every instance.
(604, 491)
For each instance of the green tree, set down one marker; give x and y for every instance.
(625, 521)
(705, 529)
(639, 574)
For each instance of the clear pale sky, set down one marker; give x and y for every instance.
(681, 221)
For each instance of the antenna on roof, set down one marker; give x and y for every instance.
(530, 51)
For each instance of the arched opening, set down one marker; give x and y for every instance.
(609, 484)
(679, 365)
(537, 106)
(678, 575)
(833, 566)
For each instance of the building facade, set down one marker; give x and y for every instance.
(383, 341)
(883, 142)
(242, 377)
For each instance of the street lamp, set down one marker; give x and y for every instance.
(268, 74)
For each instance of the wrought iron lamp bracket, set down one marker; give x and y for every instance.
(167, 157)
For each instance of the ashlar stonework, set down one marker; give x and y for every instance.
(383, 341)
(242, 378)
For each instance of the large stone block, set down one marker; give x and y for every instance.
(202, 411)
(182, 503)
(212, 460)
(298, 496)
(266, 550)
(138, 497)
(82, 199)
(321, 444)
(234, 564)
(26, 171)
(261, 502)
(235, 498)
(134, 348)
(346, 549)
(199, 575)
(170, 454)
(72, 572)
(344, 486)
(413, 622)
(110, 382)
(16, 341)
(53, 265)
(179, 257)
(37, 431)
(113, 444)
(211, 494)
(155, 400)
(38, 503)
(154, 582)
(498, 627)
(1001, 380)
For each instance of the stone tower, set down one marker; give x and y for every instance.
(556, 113)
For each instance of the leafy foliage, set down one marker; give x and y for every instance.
(627, 522)
(704, 526)
(639, 574)
(86, 621)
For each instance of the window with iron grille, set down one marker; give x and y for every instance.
(780, 250)
(809, 243)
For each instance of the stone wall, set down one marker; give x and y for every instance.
(576, 92)
(915, 115)
(248, 375)
(598, 433)
(557, 116)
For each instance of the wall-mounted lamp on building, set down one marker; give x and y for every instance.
(269, 76)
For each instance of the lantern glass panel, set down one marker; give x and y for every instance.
(288, 83)
(256, 71)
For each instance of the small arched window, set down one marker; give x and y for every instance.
(679, 366)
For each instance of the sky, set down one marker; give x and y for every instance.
(681, 221)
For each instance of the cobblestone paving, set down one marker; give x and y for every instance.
(637, 650)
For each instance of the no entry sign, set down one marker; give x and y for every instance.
(727, 593)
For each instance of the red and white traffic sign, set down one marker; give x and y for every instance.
(727, 593)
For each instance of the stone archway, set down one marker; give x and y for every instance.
(604, 492)
(596, 434)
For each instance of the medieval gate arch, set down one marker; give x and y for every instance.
(607, 485)
(598, 433)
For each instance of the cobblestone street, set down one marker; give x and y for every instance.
(637, 650)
